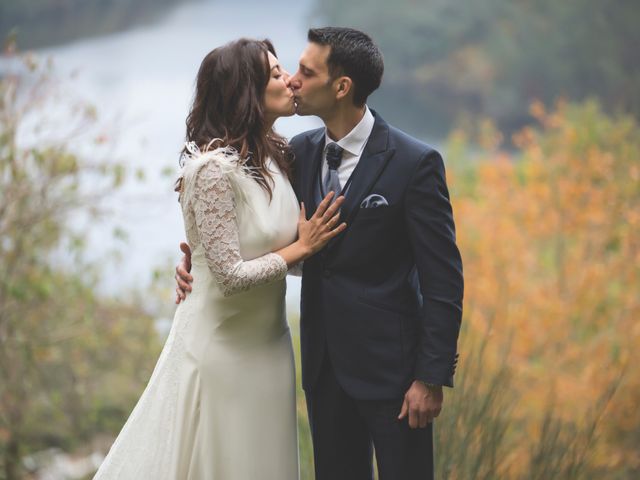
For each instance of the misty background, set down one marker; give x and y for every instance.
(533, 103)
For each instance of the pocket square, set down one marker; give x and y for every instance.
(373, 201)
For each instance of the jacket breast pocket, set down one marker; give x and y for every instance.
(372, 233)
(378, 213)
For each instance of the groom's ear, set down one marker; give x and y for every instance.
(343, 86)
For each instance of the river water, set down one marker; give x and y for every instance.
(141, 82)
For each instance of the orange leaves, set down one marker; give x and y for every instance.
(550, 239)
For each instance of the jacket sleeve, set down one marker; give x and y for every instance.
(431, 229)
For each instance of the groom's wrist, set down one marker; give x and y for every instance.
(430, 386)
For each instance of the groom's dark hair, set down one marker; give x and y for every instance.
(354, 55)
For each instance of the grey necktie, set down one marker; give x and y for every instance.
(334, 158)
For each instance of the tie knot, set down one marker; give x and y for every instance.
(334, 155)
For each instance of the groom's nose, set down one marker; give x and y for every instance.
(294, 81)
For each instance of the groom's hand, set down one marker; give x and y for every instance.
(183, 278)
(422, 404)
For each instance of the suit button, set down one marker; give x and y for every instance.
(326, 272)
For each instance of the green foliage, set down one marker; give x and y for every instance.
(446, 61)
(71, 363)
(305, 447)
(471, 435)
(42, 23)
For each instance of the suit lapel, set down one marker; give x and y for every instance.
(372, 162)
(310, 178)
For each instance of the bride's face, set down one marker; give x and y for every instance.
(278, 98)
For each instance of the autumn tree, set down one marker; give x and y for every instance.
(550, 238)
(71, 362)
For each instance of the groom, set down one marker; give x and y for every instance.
(381, 305)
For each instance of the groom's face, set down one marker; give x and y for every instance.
(312, 84)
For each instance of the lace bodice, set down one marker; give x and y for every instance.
(209, 208)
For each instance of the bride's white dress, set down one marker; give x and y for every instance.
(220, 403)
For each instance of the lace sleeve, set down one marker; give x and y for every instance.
(214, 209)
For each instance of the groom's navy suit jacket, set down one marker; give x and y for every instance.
(383, 299)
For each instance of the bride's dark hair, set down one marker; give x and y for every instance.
(229, 105)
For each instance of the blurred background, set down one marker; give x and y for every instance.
(535, 106)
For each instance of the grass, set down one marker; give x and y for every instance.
(478, 436)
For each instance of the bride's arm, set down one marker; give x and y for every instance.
(214, 208)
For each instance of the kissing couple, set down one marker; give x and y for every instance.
(362, 210)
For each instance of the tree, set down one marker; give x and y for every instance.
(43, 23)
(550, 240)
(71, 362)
(447, 61)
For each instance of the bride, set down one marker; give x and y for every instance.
(220, 403)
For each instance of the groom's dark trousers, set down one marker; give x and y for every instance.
(344, 429)
(381, 306)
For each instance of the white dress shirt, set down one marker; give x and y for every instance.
(353, 144)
